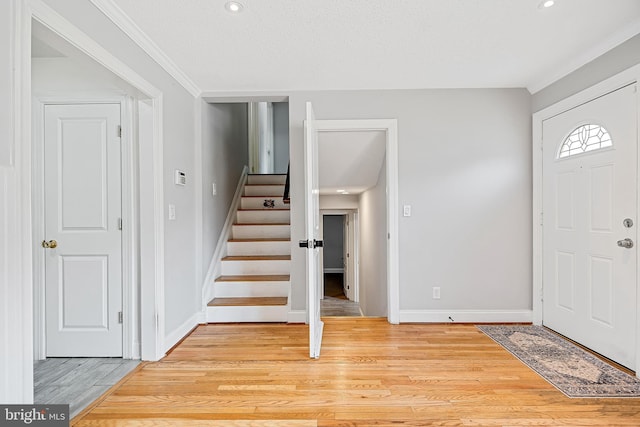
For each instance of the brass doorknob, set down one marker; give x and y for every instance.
(51, 244)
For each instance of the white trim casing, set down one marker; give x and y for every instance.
(221, 246)
(465, 316)
(629, 76)
(112, 11)
(390, 127)
(16, 319)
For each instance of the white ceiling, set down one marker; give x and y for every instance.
(380, 44)
(350, 160)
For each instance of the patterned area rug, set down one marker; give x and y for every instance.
(570, 369)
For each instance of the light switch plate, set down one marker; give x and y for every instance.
(406, 210)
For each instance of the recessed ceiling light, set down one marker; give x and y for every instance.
(340, 191)
(546, 4)
(234, 6)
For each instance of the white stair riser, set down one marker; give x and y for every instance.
(264, 190)
(232, 314)
(263, 216)
(260, 231)
(238, 268)
(258, 203)
(266, 179)
(251, 289)
(259, 248)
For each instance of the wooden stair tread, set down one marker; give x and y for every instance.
(261, 223)
(257, 258)
(279, 196)
(263, 210)
(244, 302)
(255, 278)
(259, 239)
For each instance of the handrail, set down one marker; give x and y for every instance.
(285, 196)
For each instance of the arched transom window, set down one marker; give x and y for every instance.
(585, 138)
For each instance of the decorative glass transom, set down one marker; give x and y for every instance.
(585, 138)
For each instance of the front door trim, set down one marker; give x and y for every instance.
(629, 76)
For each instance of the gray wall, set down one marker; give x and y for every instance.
(373, 248)
(465, 167)
(281, 136)
(616, 60)
(333, 237)
(224, 155)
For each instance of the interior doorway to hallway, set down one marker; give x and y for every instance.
(339, 262)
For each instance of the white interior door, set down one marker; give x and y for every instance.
(590, 208)
(313, 241)
(82, 216)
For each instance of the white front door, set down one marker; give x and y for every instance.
(312, 231)
(590, 208)
(82, 188)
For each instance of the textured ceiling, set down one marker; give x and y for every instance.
(381, 44)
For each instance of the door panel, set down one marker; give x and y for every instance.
(589, 280)
(82, 211)
(312, 212)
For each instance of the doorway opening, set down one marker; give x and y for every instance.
(360, 175)
(340, 290)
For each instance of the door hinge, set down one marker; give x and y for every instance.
(119, 223)
(119, 131)
(120, 317)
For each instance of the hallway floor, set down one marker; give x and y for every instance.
(335, 302)
(77, 381)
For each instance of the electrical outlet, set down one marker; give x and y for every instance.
(172, 212)
(436, 292)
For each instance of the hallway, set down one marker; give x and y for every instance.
(335, 303)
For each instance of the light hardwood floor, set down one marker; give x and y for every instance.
(370, 373)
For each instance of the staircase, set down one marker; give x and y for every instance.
(254, 281)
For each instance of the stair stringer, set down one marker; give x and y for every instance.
(215, 266)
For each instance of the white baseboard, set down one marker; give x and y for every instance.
(466, 316)
(297, 316)
(174, 337)
(334, 270)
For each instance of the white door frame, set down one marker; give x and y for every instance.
(629, 76)
(390, 127)
(351, 215)
(151, 269)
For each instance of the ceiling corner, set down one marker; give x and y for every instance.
(139, 37)
(622, 35)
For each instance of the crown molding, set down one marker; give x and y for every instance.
(616, 39)
(126, 24)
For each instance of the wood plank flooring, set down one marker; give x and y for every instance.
(370, 373)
